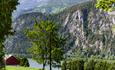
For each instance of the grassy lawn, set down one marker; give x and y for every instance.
(19, 68)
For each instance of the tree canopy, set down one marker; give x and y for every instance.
(6, 9)
(47, 42)
(106, 5)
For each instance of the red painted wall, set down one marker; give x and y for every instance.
(12, 61)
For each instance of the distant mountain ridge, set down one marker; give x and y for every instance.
(55, 6)
(50, 6)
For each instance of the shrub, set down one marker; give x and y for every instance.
(101, 65)
(89, 65)
(77, 65)
(24, 62)
(73, 65)
(64, 66)
(112, 66)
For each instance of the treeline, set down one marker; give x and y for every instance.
(90, 64)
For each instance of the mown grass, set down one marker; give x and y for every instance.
(19, 68)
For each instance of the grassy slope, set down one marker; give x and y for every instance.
(19, 68)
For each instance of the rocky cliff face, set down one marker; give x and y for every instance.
(91, 29)
(86, 26)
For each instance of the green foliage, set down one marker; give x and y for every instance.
(106, 5)
(2, 65)
(73, 65)
(92, 53)
(6, 9)
(112, 67)
(56, 54)
(90, 64)
(63, 67)
(101, 65)
(24, 62)
(47, 42)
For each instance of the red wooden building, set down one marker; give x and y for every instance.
(12, 60)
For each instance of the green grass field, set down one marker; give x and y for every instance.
(19, 68)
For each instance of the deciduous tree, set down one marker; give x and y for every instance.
(47, 42)
(106, 5)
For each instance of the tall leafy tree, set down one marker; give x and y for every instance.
(47, 42)
(6, 9)
(106, 5)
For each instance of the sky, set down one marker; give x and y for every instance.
(26, 5)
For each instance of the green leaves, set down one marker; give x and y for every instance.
(106, 5)
(56, 54)
(24, 62)
(6, 9)
(47, 42)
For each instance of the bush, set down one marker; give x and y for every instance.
(77, 65)
(24, 62)
(64, 65)
(101, 65)
(112, 67)
(73, 65)
(89, 65)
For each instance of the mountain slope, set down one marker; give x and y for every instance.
(89, 29)
(55, 6)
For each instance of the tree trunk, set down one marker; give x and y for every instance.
(2, 62)
(44, 61)
(50, 53)
(50, 60)
(44, 64)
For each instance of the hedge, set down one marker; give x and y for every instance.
(89, 64)
(73, 65)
